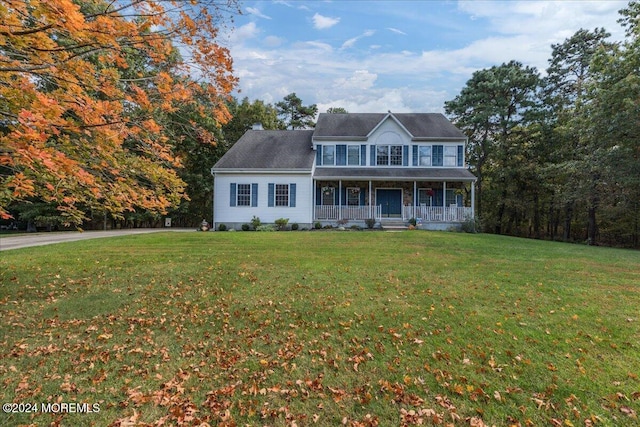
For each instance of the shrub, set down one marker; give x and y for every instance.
(294, 226)
(246, 227)
(281, 223)
(317, 225)
(370, 222)
(255, 222)
(267, 227)
(413, 222)
(471, 225)
(222, 227)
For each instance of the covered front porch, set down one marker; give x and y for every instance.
(427, 202)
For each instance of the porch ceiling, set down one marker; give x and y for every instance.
(394, 174)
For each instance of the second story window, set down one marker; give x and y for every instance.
(388, 155)
(424, 155)
(353, 155)
(450, 155)
(328, 154)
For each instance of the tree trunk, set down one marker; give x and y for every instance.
(498, 228)
(591, 233)
(566, 234)
(536, 215)
(592, 227)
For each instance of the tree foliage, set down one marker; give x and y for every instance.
(294, 114)
(492, 105)
(198, 157)
(560, 156)
(86, 90)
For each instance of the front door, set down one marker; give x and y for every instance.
(390, 201)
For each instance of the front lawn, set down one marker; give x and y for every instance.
(321, 328)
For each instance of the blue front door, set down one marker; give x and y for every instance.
(390, 201)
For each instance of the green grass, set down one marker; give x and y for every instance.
(322, 328)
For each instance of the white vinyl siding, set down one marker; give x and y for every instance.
(226, 213)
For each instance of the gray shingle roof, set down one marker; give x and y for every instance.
(359, 125)
(393, 173)
(270, 149)
(292, 149)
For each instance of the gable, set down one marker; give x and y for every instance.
(389, 132)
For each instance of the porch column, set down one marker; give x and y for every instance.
(444, 194)
(370, 201)
(473, 199)
(339, 199)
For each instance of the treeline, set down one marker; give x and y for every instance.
(558, 157)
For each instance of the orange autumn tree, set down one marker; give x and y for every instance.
(84, 89)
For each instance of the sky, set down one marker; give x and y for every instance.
(400, 56)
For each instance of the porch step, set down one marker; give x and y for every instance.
(394, 225)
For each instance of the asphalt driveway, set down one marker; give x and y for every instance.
(16, 241)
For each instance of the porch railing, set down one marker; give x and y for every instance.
(332, 212)
(425, 213)
(437, 213)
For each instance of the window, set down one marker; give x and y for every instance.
(328, 196)
(244, 195)
(389, 155)
(425, 196)
(353, 196)
(282, 194)
(424, 155)
(353, 155)
(382, 155)
(396, 155)
(451, 198)
(328, 154)
(450, 155)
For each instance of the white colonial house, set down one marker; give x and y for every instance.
(351, 167)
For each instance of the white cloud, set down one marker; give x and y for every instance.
(244, 33)
(359, 80)
(256, 12)
(405, 76)
(323, 22)
(273, 41)
(397, 31)
(352, 41)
